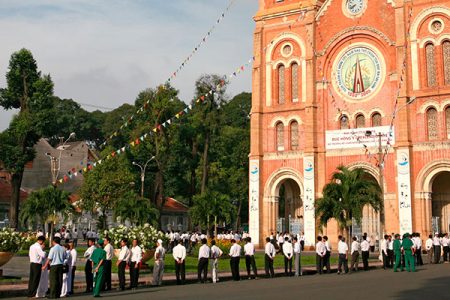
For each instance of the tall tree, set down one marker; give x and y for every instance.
(345, 197)
(31, 93)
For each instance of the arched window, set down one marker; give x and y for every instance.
(281, 85)
(432, 124)
(431, 64)
(376, 120)
(294, 87)
(280, 136)
(360, 121)
(446, 59)
(343, 121)
(294, 135)
(447, 121)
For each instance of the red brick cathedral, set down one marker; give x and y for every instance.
(357, 83)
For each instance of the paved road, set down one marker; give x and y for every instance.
(430, 282)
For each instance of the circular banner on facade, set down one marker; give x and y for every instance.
(359, 73)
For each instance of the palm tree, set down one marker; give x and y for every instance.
(48, 204)
(345, 197)
(136, 209)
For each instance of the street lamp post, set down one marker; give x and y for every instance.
(55, 162)
(143, 173)
(379, 135)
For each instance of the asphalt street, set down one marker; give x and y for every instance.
(429, 282)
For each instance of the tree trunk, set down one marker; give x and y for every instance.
(205, 164)
(193, 179)
(16, 182)
(238, 217)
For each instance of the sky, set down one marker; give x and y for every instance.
(104, 52)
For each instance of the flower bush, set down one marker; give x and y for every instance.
(223, 245)
(146, 235)
(10, 240)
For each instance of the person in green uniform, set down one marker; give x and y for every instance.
(97, 258)
(397, 252)
(408, 248)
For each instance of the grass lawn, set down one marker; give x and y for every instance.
(224, 263)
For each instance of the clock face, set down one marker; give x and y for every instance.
(355, 7)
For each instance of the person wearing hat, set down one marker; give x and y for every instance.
(98, 258)
(37, 256)
(408, 249)
(158, 268)
(397, 253)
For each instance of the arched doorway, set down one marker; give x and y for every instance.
(290, 207)
(440, 202)
(370, 222)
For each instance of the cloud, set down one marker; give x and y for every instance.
(104, 52)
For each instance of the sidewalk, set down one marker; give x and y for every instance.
(19, 289)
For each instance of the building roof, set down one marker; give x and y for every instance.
(172, 205)
(6, 190)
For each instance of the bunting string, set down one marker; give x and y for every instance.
(130, 120)
(74, 172)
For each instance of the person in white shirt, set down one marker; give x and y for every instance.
(203, 256)
(107, 264)
(74, 255)
(67, 276)
(320, 254)
(179, 255)
(297, 257)
(343, 255)
(326, 258)
(429, 248)
(418, 244)
(445, 247)
(354, 252)
(365, 248)
(249, 252)
(288, 252)
(158, 268)
(269, 255)
(122, 261)
(280, 242)
(437, 248)
(390, 250)
(235, 257)
(88, 266)
(135, 260)
(215, 254)
(37, 256)
(384, 253)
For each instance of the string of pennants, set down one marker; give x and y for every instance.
(203, 40)
(74, 172)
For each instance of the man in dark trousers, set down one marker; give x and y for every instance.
(249, 251)
(122, 261)
(365, 248)
(37, 255)
(235, 257)
(203, 258)
(179, 255)
(269, 256)
(56, 258)
(107, 264)
(88, 265)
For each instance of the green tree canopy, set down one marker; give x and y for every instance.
(345, 197)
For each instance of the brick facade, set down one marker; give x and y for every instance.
(351, 64)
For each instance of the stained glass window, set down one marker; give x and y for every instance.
(294, 135)
(446, 59)
(376, 119)
(281, 85)
(280, 136)
(344, 122)
(360, 121)
(431, 64)
(432, 123)
(294, 76)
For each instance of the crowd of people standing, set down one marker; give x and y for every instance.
(53, 275)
